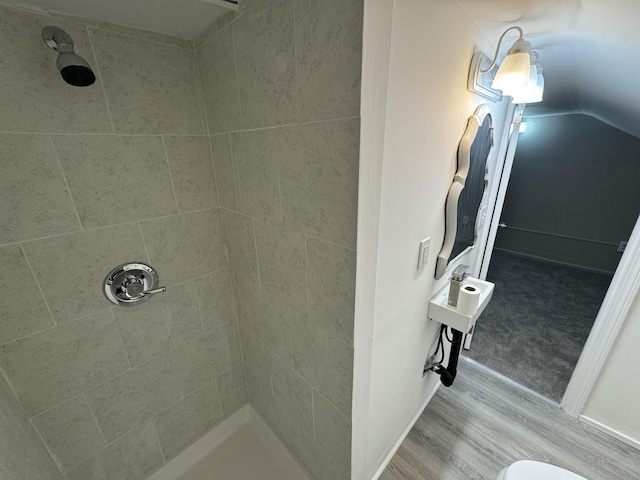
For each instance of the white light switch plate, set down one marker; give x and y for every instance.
(423, 253)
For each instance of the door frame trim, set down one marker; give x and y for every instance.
(622, 292)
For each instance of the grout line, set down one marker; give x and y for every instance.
(215, 173)
(219, 396)
(45, 445)
(279, 191)
(200, 93)
(224, 234)
(74, 233)
(173, 186)
(306, 266)
(235, 63)
(198, 301)
(242, 130)
(313, 412)
(233, 171)
(295, 63)
(104, 92)
(66, 183)
(95, 419)
(329, 242)
(255, 246)
(289, 323)
(30, 335)
(144, 244)
(102, 134)
(155, 432)
(53, 317)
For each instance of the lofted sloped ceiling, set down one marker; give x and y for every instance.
(178, 18)
(589, 50)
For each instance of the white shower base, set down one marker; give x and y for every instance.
(240, 448)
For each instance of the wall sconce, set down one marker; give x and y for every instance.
(517, 76)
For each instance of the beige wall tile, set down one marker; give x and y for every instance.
(264, 316)
(71, 268)
(40, 465)
(22, 308)
(131, 457)
(134, 397)
(324, 361)
(50, 367)
(273, 413)
(332, 430)
(329, 58)
(192, 171)
(332, 284)
(216, 299)
(255, 163)
(224, 171)
(70, 432)
(282, 264)
(260, 392)
(318, 167)
(264, 45)
(163, 322)
(233, 389)
(14, 434)
(143, 34)
(292, 393)
(188, 419)
(150, 87)
(116, 179)
(220, 83)
(321, 465)
(34, 96)
(185, 246)
(241, 244)
(201, 360)
(34, 197)
(256, 353)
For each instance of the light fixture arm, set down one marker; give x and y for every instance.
(495, 57)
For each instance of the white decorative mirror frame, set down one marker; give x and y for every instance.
(463, 215)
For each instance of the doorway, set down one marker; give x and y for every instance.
(567, 209)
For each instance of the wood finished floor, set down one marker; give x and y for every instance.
(483, 423)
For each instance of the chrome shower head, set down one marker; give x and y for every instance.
(73, 68)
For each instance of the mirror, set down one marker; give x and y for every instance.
(463, 215)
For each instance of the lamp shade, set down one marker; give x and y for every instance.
(531, 96)
(513, 73)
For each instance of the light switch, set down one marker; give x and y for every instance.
(423, 253)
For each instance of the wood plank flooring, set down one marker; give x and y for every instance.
(483, 423)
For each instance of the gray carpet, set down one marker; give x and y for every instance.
(537, 322)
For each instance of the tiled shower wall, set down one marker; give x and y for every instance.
(91, 178)
(281, 85)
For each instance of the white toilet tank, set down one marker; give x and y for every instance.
(530, 470)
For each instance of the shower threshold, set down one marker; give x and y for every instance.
(242, 447)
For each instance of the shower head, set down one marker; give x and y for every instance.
(73, 68)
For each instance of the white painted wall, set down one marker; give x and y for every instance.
(416, 55)
(613, 403)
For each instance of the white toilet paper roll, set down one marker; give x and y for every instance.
(468, 300)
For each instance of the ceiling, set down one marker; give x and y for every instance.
(178, 18)
(589, 50)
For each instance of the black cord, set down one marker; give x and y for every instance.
(440, 344)
(446, 334)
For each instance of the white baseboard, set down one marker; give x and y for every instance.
(609, 431)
